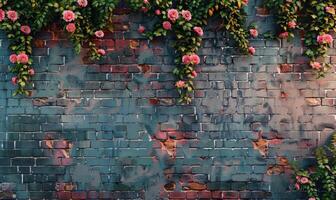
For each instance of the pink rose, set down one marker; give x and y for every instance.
(22, 58)
(324, 39)
(254, 32)
(31, 72)
(146, 1)
(245, 2)
(312, 198)
(71, 28)
(291, 24)
(194, 74)
(198, 30)
(167, 25)
(158, 12)
(13, 58)
(141, 29)
(69, 15)
(180, 84)
(82, 3)
(195, 59)
(297, 186)
(186, 59)
(330, 10)
(101, 52)
(304, 180)
(173, 14)
(25, 29)
(283, 35)
(315, 65)
(297, 178)
(186, 15)
(144, 9)
(12, 15)
(251, 50)
(99, 34)
(2, 15)
(14, 80)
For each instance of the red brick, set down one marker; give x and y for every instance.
(78, 195)
(177, 195)
(205, 194)
(217, 194)
(192, 195)
(64, 195)
(231, 195)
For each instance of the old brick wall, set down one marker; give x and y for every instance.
(113, 130)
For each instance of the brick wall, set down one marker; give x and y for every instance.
(112, 129)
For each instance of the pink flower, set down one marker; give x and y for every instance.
(251, 50)
(254, 32)
(330, 10)
(180, 84)
(144, 9)
(315, 65)
(31, 72)
(69, 15)
(167, 25)
(198, 30)
(195, 59)
(283, 35)
(141, 29)
(324, 39)
(173, 14)
(14, 80)
(12, 15)
(13, 58)
(158, 12)
(186, 15)
(297, 178)
(99, 34)
(297, 186)
(82, 3)
(291, 24)
(101, 52)
(186, 59)
(304, 180)
(22, 58)
(2, 15)
(245, 2)
(312, 198)
(25, 29)
(194, 74)
(146, 1)
(71, 28)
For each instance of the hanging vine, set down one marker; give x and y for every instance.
(83, 20)
(315, 19)
(185, 21)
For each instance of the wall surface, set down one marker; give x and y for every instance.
(112, 130)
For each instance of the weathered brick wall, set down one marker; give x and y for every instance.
(112, 129)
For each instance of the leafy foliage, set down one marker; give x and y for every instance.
(319, 181)
(315, 19)
(188, 31)
(22, 19)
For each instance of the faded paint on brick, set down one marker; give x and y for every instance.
(112, 129)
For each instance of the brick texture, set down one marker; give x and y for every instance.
(113, 130)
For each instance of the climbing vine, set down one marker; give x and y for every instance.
(83, 20)
(319, 181)
(185, 21)
(314, 19)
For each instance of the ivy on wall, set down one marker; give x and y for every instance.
(314, 19)
(83, 20)
(86, 20)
